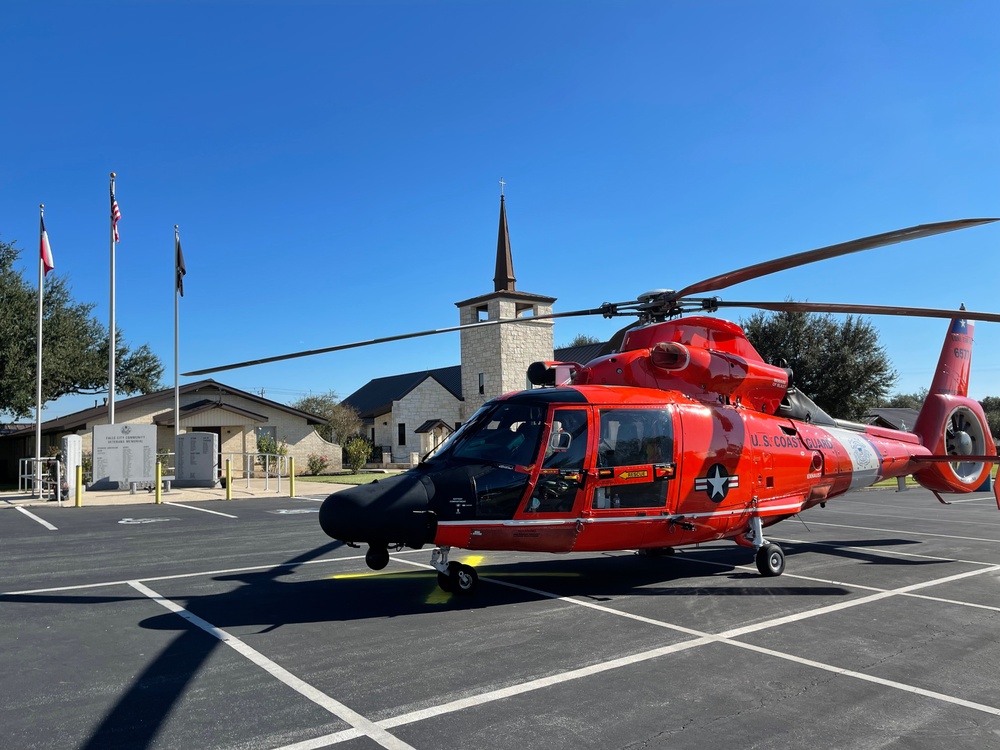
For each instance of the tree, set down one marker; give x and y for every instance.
(991, 406)
(341, 421)
(913, 400)
(74, 345)
(841, 366)
(581, 339)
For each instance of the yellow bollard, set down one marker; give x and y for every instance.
(79, 487)
(229, 479)
(291, 476)
(159, 483)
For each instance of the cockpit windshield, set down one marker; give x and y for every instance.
(504, 432)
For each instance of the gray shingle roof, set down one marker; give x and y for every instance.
(376, 396)
(896, 418)
(78, 420)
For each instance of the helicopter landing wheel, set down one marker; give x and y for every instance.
(770, 560)
(462, 579)
(444, 582)
(376, 557)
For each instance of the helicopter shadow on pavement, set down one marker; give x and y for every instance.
(863, 550)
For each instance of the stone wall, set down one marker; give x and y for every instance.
(429, 400)
(501, 353)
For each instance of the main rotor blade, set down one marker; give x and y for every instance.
(605, 310)
(832, 251)
(835, 307)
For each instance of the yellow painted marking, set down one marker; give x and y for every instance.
(379, 573)
(633, 474)
(438, 596)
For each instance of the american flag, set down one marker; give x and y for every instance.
(115, 213)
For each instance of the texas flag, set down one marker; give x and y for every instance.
(46, 250)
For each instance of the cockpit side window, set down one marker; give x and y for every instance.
(642, 440)
(567, 446)
(635, 436)
(561, 475)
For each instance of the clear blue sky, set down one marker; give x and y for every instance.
(334, 166)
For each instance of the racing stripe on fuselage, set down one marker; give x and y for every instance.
(866, 461)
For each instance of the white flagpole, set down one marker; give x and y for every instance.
(111, 326)
(177, 358)
(38, 385)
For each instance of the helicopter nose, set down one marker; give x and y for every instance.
(387, 511)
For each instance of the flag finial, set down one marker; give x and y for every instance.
(113, 175)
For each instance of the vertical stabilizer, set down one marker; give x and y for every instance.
(952, 375)
(951, 423)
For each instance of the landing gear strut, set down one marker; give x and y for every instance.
(453, 577)
(770, 558)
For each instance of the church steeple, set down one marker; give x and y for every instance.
(503, 279)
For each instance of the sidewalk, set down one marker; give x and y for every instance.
(241, 490)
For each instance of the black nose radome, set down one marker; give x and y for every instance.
(388, 511)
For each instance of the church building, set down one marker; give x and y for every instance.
(408, 415)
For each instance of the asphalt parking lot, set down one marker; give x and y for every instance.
(240, 625)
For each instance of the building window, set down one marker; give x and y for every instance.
(482, 383)
(402, 433)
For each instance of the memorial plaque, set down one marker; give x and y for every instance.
(197, 459)
(72, 451)
(123, 453)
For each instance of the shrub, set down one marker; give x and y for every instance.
(356, 452)
(268, 445)
(316, 463)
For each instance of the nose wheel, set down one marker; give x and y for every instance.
(377, 557)
(454, 577)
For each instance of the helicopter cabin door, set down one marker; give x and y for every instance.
(550, 509)
(634, 466)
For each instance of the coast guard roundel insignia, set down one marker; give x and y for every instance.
(716, 483)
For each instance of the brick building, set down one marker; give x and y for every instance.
(236, 416)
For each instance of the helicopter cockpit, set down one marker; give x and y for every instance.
(535, 437)
(504, 439)
(549, 453)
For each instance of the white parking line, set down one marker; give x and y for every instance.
(905, 533)
(931, 516)
(727, 637)
(33, 517)
(201, 574)
(873, 549)
(338, 709)
(203, 510)
(360, 726)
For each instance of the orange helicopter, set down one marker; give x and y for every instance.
(678, 434)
